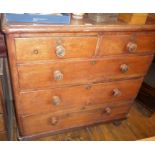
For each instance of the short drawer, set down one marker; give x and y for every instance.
(36, 76)
(51, 122)
(51, 48)
(77, 97)
(114, 44)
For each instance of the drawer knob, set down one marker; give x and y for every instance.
(35, 51)
(56, 100)
(58, 75)
(124, 68)
(54, 120)
(108, 110)
(60, 51)
(93, 62)
(131, 47)
(116, 92)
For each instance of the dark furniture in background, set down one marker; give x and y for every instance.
(6, 100)
(2, 46)
(3, 128)
(147, 93)
(2, 42)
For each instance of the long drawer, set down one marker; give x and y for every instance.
(117, 43)
(48, 75)
(78, 97)
(51, 122)
(50, 48)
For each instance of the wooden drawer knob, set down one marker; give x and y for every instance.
(35, 51)
(56, 100)
(54, 120)
(132, 47)
(108, 110)
(116, 92)
(93, 62)
(124, 68)
(58, 75)
(60, 51)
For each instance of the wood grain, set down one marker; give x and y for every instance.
(75, 47)
(37, 76)
(3, 136)
(42, 123)
(2, 126)
(79, 97)
(1, 109)
(116, 43)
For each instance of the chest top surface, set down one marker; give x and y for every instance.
(84, 25)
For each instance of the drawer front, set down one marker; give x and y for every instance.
(54, 122)
(36, 76)
(117, 44)
(31, 49)
(78, 97)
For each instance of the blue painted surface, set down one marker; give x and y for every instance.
(34, 18)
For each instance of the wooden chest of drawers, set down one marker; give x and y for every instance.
(76, 75)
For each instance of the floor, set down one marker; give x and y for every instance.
(136, 127)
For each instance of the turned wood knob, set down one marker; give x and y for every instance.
(131, 46)
(108, 110)
(116, 92)
(56, 100)
(58, 75)
(35, 51)
(54, 120)
(124, 68)
(60, 51)
(93, 62)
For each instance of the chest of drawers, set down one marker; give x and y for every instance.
(76, 75)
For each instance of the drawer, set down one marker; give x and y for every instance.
(36, 76)
(51, 122)
(51, 48)
(114, 44)
(77, 97)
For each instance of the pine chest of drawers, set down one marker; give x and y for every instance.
(67, 76)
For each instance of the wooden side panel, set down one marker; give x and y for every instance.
(51, 123)
(2, 46)
(36, 76)
(74, 47)
(78, 97)
(2, 126)
(1, 109)
(3, 136)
